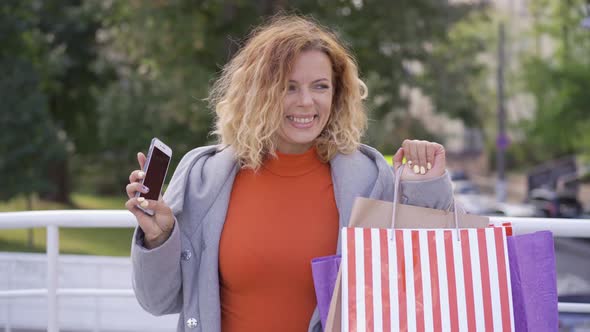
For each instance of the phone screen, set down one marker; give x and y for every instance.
(154, 177)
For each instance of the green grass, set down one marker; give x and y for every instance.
(91, 241)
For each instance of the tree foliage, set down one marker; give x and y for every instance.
(558, 77)
(29, 138)
(457, 75)
(110, 75)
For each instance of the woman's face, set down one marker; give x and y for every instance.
(307, 103)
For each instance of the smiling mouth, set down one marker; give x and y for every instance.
(302, 120)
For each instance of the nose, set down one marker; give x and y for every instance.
(305, 98)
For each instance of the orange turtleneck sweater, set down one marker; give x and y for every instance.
(278, 219)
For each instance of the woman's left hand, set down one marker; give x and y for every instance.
(424, 160)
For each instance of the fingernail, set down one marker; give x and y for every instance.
(416, 169)
(141, 175)
(422, 170)
(145, 189)
(429, 166)
(140, 199)
(144, 204)
(410, 162)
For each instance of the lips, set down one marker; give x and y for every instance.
(301, 121)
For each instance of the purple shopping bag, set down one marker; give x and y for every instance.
(534, 281)
(324, 271)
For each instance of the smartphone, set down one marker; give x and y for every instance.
(155, 168)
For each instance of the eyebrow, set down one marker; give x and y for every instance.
(316, 81)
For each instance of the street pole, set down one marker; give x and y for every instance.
(502, 139)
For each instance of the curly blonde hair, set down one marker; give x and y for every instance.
(248, 96)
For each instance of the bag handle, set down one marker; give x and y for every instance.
(396, 190)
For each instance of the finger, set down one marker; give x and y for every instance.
(398, 158)
(438, 149)
(414, 156)
(421, 150)
(131, 205)
(136, 176)
(134, 187)
(430, 150)
(407, 146)
(141, 158)
(407, 153)
(145, 221)
(439, 156)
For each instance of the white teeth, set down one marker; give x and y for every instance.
(301, 120)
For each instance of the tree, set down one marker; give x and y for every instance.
(559, 81)
(29, 142)
(29, 137)
(456, 76)
(69, 29)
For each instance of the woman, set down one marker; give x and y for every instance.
(230, 244)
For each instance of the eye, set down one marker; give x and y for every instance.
(322, 86)
(291, 88)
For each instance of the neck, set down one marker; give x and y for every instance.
(299, 149)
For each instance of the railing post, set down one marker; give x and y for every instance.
(97, 301)
(8, 324)
(52, 277)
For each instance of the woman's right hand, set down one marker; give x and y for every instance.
(157, 228)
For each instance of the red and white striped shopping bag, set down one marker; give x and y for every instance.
(426, 280)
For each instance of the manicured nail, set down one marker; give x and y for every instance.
(145, 189)
(410, 162)
(416, 169)
(141, 174)
(140, 199)
(422, 170)
(429, 166)
(144, 204)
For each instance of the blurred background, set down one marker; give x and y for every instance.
(503, 84)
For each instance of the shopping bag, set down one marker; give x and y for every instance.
(378, 214)
(425, 280)
(370, 213)
(534, 281)
(533, 275)
(324, 271)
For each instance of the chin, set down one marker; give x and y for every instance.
(303, 140)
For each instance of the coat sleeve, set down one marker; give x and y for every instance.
(435, 193)
(156, 274)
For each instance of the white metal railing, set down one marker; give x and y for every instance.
(53, 220)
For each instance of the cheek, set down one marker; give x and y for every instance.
(288, 101)
(327, 104)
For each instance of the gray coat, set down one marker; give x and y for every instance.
(181, 275)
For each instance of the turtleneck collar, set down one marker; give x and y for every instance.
(293, 164)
